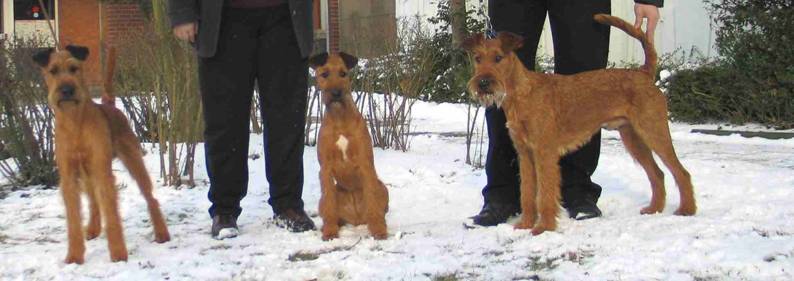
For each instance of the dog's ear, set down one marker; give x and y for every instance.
(318, 60)
(350, 60)
(510, 41)
(472, 41)
(42, 58)
(78, 52)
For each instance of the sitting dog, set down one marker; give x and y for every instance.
(87, 138)
(351, 190)
(550, 115)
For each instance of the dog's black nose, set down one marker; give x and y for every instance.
(336, 93)
(67, 91)
(484, 84)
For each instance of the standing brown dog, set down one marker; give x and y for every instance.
(87, 137)
(550, 115)
(351, 190)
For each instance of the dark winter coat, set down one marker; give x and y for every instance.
(208, 15)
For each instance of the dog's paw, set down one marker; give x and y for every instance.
(74, 258)
(118, 253)
(162, 237)
(379, 234)
(538, 231)
(118, 257)
(543, 227)
(92, 232)
(650, 210)
(328, 237)
(685, 211)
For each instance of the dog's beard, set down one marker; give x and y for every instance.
(335, 104)
(489, 99)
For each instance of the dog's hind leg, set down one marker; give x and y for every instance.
(71, 200)
(375, 213)
(643, 155)
(383, 194)
(328, 205)
(130, 154)
(653, 129)
(94, 227)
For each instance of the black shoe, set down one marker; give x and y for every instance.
(294, 220)
(224, 226)
(583, 209)
(495, 213)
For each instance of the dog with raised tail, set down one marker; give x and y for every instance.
(87, 138)
(549, 115)
(351, 190)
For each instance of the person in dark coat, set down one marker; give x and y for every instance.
(580, 44)
(240, 44)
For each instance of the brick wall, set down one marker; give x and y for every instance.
(333, 25)
(96, 26)
(78, 24)
(120, 19)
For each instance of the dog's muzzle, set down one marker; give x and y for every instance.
(484, 85)
(67, 94)
(66, 91)
(336, 95)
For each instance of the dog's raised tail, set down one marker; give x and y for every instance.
(107, 94)
(647, 46)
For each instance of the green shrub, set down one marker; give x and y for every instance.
(452, 69)
(753, 79)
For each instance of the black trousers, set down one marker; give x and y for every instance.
(254, 45)
(580, 44)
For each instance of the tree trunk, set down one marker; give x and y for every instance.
(458, 10)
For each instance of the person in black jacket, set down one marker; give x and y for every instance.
(580, 44)
(242, 43)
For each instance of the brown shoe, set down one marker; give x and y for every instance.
(224, 226)
(294, 220)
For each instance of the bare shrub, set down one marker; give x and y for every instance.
(157, 83)
(26, 139)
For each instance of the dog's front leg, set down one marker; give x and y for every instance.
(375, 203)
(71, 200)
(548, 199)
(328, 207)
(528, 189)
(108, 204)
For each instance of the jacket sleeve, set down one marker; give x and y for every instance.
(182, 11)
(657, 3)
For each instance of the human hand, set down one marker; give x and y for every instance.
(186, 32)
(650, 12)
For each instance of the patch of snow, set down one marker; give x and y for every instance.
(227, 233)
(744, 229)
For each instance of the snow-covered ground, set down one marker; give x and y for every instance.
(744, 229)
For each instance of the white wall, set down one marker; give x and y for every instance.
(685, 24)
(8, 16)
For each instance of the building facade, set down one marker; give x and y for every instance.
(362, 27)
